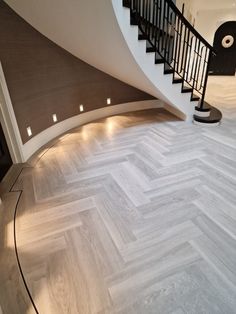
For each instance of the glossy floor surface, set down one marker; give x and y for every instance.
(133, 214)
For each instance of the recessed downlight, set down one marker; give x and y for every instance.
(29, 131)
(54, 117)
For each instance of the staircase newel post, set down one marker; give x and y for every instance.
(206, 79)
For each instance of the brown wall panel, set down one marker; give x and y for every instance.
(44, 79)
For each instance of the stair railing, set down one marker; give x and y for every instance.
(175, 41)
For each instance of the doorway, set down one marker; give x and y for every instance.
(5, 157)
(224, 63)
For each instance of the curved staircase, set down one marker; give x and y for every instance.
(145, 43)
(183, 52)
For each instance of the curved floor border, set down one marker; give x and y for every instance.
(15, 240)
(20, 191)
(49, 144)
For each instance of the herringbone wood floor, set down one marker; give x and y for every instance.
(134, 214)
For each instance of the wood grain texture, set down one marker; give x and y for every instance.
(44, 79)
(13, 295)
(133, 214)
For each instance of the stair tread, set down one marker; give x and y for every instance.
(206, 107)
(150, 49)
(159, 61)
(177, 80)
(186, 89)
(195, 97)
(142, 37)
(169, 71)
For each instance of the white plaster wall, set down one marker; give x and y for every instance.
(189, 9)
(207, 21)
(199, 5)
(208, 14)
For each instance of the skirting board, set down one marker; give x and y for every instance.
(34, 144)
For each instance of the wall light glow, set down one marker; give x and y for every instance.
(81, 108)
(54, 117)
(108, 101)
(29, 131)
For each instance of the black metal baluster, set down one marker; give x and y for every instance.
(176, 38)
(167, 32)
(204, 68)
(197, 87)
(159, 27)
(189, 60)
(154, 28)
(183, 55)
(185, 67)
(177, 45)
(149, 18)
(173, 23)
(145, 16)
(163, 26)
(196, 63)
(168, 54)
(205, 80)
(179, 50)
(155, 23)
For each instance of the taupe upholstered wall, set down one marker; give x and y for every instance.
(44, 79)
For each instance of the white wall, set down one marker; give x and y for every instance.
(208, 14)
(189, 9)
(199, 5)
(207, 21)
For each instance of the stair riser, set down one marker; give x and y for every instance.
(202, 114)
(206, 124)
